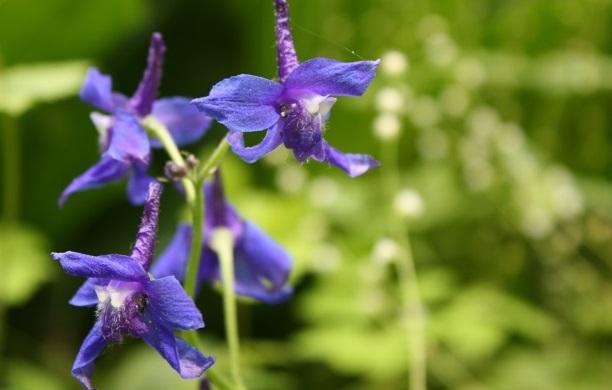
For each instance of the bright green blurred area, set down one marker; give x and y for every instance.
(505, 144)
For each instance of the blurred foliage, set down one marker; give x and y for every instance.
(500, 113)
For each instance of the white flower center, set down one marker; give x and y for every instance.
(117, 292)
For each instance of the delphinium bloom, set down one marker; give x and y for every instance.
(293, 110)
(261, 266)
(131, 303)
(125, 146)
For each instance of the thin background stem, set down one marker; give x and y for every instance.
(413, 311)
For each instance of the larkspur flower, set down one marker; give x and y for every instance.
(293, 110)
(261, 266)
(130, 303)
(125, 146)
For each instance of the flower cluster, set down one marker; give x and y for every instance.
(136, 297)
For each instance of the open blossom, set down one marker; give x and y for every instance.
(293, 110)
(125, 146)
(261, 266)
(130, 303)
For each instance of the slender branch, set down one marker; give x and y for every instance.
(223, 243)
(12, 168)
(413, 309)
(157, 129)
(213, 161)
(195, 253)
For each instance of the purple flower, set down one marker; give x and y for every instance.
(293, 110)
(130, 303)
(261, 266)
(124, 144)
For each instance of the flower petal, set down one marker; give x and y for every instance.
(185, 123)
(118, 267)
(143, 98)
(353, 164)
(325, 76)
(169, 302)
(97, 90)
(105, 171)
(93, 345)
(138, 185)
(250, 154)
(86, 294)
(261, 266)
(242, 103)
(173, 261)
(186, 360)
(128, 140)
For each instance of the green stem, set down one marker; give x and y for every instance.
(216, 378)
(412, 310)
(214, 161)
(223, 243)
(197, 213)
(160, 131)
(12, 168)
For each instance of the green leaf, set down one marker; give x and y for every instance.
(21, 87)
(25, 263)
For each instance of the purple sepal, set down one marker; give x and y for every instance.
(324, 76)
(353, 164)
(86, 294)
(186, 360)
(242, 103)
(147, 233)
(173, 260)
(170, 303)
(138, 185)
(93, 345)
(114, 266)
(184, 122)
(128, 140)
(97, 90)
(250, 154)
(143, 98)
(105, 171)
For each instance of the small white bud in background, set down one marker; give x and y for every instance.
(324, 192)
(385, 251)
(291, 179)
(409, 203)
(387, 127)
(326, 258)
(394, 63)
(425, 112)
(454, 100)
(390, 99)
(470, 72)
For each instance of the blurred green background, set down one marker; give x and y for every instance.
(500, 113)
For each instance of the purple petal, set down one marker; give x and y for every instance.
(144, 246)
(251, 154)
(143, 98)
(93, 345)
(261, 266)
(97, 90)
(108, 267)
(173, 261)
(186, 360)
(325, 76)
(242, 103)
(353, 164)
(128, 140)
(185, 123)
(105, 171)
(86, 294)
(169, 302)
(138, 185)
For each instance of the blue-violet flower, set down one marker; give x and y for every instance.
(130, 303)
(125, 146)
(261, 266)
(293, 110)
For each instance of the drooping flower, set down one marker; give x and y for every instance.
(130, 303)
(261, 266)
(125, 146)
(293, 110)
